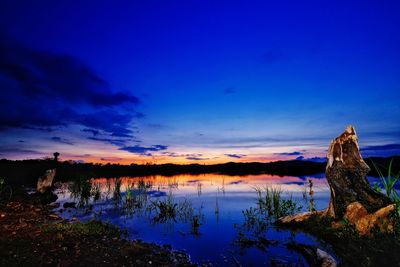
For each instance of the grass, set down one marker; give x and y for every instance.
(165, 209)
(117, 191)
(389, 182)
(270, 201)
(81, 190)
(96, 192)
(270, 206)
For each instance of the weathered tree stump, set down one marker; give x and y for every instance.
(346, 173)
(352, 197)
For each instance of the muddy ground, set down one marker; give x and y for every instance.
(31, 235)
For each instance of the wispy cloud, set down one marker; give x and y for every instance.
(116, 142)
(238, 156)
(61, 140)
(295, 153)
(94, 132)
(144, 150)
(196, 158)
(381, 147)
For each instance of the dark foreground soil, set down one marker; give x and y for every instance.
(31, 235)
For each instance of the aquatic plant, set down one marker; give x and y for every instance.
(81, 189)
(270, 206)
(117, 191)
(389, 182)
(195, 222)
(311, 193)
(96, 191)
(377, 187)
(129, 192)
(108, 186)
(216, 206)
(165, 209)
(143, 185)
(270, 201)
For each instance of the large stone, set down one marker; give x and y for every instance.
(45, 181)
(325, 259)
(364, 222)
(354, 212)
(299, 219)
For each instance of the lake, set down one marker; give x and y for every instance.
(207, 218)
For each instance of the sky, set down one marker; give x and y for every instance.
(197, 81)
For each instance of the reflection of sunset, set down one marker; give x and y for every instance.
(211, 183)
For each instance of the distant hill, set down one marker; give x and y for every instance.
(27, 171)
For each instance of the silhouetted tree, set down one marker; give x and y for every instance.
(56, 155)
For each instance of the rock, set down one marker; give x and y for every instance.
(354, 212)
(299, 218)
(45, 181)
(69, 205)
(313, 255)
(364, 222)
(346, 173)
(324, 259)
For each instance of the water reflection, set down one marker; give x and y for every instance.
(201, 214)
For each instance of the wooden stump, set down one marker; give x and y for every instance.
(346, 173)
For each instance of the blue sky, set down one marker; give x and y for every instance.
(197, 81)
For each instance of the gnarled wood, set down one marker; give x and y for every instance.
(346, 173)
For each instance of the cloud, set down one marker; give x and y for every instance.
(13, 150)
(61, 140)
(191, 156)
(143, 150)
(295, 153)
(313, 159)
(116, 142)
(42, 129)
(92, 131)
(41, 90)
(196, 158)
(110, 159)
(381, 150)
(238, 156)
(381, 147)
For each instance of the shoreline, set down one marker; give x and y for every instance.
(33, 235)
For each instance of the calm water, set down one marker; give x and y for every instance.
(217, 202)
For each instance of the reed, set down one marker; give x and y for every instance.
(389, 182)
